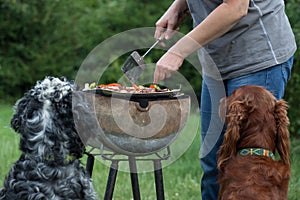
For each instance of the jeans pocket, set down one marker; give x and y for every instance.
(286, 70)
(286, 73)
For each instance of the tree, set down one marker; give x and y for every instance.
(42, 37)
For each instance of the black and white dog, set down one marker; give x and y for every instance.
(49, 167)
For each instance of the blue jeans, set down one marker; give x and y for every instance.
(273, 79)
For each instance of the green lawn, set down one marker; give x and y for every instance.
(181, 178)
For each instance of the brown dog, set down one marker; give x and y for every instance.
(257, 126)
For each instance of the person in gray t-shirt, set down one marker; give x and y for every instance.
(239, 42)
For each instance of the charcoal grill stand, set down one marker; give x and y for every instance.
(111, 181)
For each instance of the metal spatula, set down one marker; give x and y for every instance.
(135, 64)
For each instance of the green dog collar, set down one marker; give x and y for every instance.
(257, 152)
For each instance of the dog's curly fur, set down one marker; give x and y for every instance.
(49, 166)
(254, 119)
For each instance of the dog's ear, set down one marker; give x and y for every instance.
(232, 133)
(236, 113)
(282, 139)
(19, 112)
(25, 109)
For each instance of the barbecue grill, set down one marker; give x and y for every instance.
(134, 125)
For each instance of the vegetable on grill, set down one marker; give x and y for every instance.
(116, 87)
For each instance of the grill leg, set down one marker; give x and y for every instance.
(110, 186)
(159, 185)
(90, 164)
(134, 179)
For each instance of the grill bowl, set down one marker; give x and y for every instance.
(133, 124)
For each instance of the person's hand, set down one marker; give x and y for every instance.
(171, 20)
(167, 64)
(166, 25)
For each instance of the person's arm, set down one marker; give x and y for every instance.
(217, 23)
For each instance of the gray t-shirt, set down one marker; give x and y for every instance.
(263, 38)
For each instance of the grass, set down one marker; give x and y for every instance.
(181, 178)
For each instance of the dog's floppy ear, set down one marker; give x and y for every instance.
(236, 113)
(18, 117)
(282, 140)
(24, 109)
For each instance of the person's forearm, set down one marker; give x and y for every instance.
(220, 21)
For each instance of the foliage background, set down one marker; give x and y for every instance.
(53, 37)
